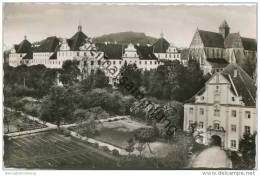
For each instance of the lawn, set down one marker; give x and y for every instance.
(51, 150)
(17, 122)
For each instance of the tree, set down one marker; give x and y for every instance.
(247, 147)
(130, 78)
(57, 106)
(146, 135)
(194, 76)
(70, 72)
(100, 79)
(130, 146)
(140, 147)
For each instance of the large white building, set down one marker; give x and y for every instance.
(164, 50)
(53, 52)
(224, 109)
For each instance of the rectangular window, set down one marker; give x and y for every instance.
(145, 62)
(114, 62)
(119, 62)
(92, 62)
(216, 112)
(140, 62)
(234, 113)
(151, 62)
(201, 111)
(247, 115)
(99, 62)
(247, 129)
(233, 128)
(191, 110)
(233, 143)
(201, 124)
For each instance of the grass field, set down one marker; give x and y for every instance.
(17, 122)
(51, 150)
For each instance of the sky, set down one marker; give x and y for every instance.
(177, 22)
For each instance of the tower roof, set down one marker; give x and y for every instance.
(224, 24)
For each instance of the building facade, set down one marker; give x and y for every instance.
(164, 50)
(213, 50)
(224, 110)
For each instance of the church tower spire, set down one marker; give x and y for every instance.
(79, 28)
(224, 29)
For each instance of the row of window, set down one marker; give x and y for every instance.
(216, 126)
(246, 129)
(175, 56)
(45, 61)
(217, 112)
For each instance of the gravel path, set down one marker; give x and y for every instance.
(213, 157)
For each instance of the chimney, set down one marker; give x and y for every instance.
(235, 73)
(25, 37)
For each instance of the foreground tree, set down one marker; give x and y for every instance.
(247, 147)
(130, 146)
(57, 106)
(70, 72)
(146, 135)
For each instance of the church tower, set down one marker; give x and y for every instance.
(224, 29)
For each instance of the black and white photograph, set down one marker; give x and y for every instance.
(129, 86)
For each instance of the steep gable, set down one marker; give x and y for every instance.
(211, 39)
(161, 45)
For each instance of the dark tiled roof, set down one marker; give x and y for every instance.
(145, 52)
(49, 44)
(53, 56)
(211, 39)
(249, 44)
(29, 55)
(24, 47)
(111, 51)
(77, 40)
(233, 40)
(217, 62)
(244, 85)
(161, 46)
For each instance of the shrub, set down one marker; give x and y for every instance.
(115, 152)
(96, 145)
(66, 133)
(105, 149)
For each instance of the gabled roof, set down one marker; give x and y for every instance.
(161, 45)
(145, 52)
(111, 51)
(211, 39)
(49, 44)
(29, 55)
(24, 47)
(77, 40)
(244, 85)
(217, 62)
(233, 40)
(249, 44)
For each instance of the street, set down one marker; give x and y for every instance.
(213, 157)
